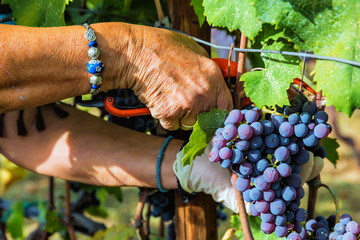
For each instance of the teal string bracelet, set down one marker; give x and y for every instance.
(158, 166)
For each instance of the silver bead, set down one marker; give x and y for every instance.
(90, 34)
(95, 80)
(93, 52)
(94, 91)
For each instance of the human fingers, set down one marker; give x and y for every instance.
(318, 166)
(306, 169)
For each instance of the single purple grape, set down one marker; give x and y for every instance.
(251, 116)
(300, 130)
(255, 194)
(281, 154)
(340, 228)
(254, 155)
(271, 175)
(288, 193)
(267, 227)
(229, 132)
(218, 131)
(310, 140)
(300, 193)
(245, 132)
(255, 142)
(267, 217)
(272, 140)
(301, 215)
(345, 218)
(294, 180)
(226, 163)
(237, 156)
(333, 236)
(246, 168)
(321, 117)
(262, 206)
(219, 142)
(309, 107)
(268, 195)
(349, 236)
(322, 234)
(301, 157)
(268, 127)
(277, 207)
(243, 184)
(321, 131)
(353, 227)
(235, 116)
(286, 129)
(280, 220)
(242, 145)
(225, 153)
(293, 148)
(253, 210)
(262, 164)
(281, 231)
(294, 236)
(246, 195)
(284, 141)
(214, 155)
(284, 170)
(257, 128)
(305, 117)
(261, 184)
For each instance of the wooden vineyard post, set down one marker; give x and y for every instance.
(195, 220)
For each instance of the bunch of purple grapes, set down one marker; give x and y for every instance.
(267, 151)
(318, 228)
(346, 229)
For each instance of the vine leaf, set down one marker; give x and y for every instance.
(255, 228)
(327, 27)
(116, 192)
(233, 14)
(199, 10)
(331, 145)
(15, 221)
(269, 87)
(38, 13)
(53, 222)
(204, 130)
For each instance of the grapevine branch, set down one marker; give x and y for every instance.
(51, 205)
(238, 95)
(69, 224)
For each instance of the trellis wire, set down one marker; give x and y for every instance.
(298, 54)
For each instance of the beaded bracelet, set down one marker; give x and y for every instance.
(94, 66)
(158, 166)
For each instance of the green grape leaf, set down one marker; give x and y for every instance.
(233, 14)
(255, 228)
(269, 87)
(115, 232)
(199, 10)
(97, 211)
(15, 221)
(204, 130)
(331, 145)
(116, 192)
(326, 27)
(38, 13)
(53, 222)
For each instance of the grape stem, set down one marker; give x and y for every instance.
(273, 112)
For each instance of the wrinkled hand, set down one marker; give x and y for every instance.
(175, 78)
(205, 176)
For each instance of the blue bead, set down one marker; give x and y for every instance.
(94, 86)
(93, 44)
(95, 66)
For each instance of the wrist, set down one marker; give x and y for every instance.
(118, 44)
